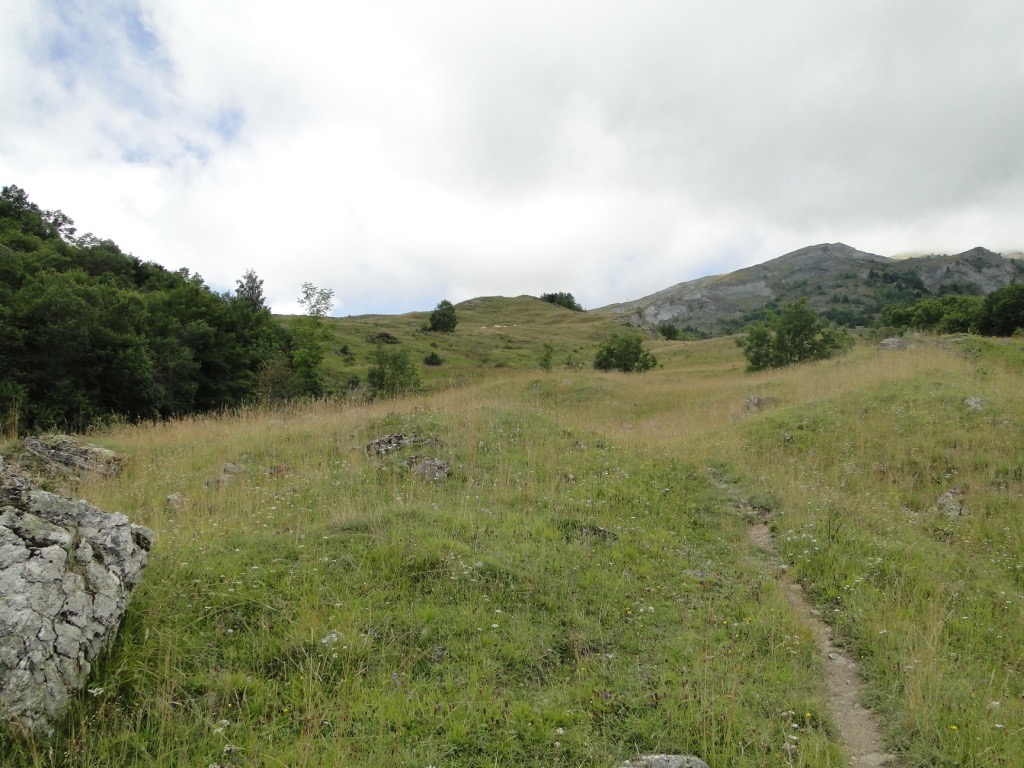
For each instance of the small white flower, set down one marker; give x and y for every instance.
(95, 691)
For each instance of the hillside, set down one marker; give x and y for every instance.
(840, 282)
(609, 568)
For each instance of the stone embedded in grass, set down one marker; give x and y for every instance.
(384, 445)
(951, 503)
(665, 761)
(67, 570)
(975, 403)
(427, 468)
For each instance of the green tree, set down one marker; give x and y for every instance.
(669, 331)
(795, 334)
(250, 290)
(562, 299)
(1003, 311)
(443, 319)
(624, 352)
(393, 373)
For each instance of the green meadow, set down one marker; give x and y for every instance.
(582, 588)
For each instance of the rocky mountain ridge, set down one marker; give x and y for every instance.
(846, 285)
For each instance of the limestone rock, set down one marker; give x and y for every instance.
(384, 445)
(975, 403)
(67, 570)
(427, 468)
(67, 454)
(951, 503)
(665, 761)
(757, 403)
(896, 342)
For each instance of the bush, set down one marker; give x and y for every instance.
(433, 359)
(443, 319)
(562, 299)
(624, 352)
(392, 373)
(794, 335)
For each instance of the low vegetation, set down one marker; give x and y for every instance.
(582, 587)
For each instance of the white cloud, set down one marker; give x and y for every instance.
(403, 152)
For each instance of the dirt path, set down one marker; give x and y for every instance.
(858, 727)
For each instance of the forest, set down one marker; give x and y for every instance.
(89, 333)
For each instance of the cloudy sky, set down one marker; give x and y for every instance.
(402, 151)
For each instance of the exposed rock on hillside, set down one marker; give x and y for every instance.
(66, 454)
(849, 285)
(67, 570)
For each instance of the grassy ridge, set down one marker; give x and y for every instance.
(579, 590)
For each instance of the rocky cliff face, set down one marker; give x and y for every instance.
(850, 284)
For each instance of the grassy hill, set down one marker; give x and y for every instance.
(583, 587)
(493, 332)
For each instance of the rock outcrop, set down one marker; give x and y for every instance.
(66, 454)
(67, 570)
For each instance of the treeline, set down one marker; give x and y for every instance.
(88, 332)
(1000, 313)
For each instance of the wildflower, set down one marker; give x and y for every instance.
(95, 691)
(953, 728)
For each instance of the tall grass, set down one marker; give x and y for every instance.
(579, 590)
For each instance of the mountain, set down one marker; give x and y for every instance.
(840, 282)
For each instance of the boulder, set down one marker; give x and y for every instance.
(428, 468)
(951, 504)
(67, 570)
(69, 455)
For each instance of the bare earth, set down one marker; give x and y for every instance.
(858, 727)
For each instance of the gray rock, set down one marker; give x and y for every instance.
(67, 454)
(895, 342)
(951, 504)
(176, 502)
(756, 402)
(427, 468)
(67, 570)
(384, 445)
(975, 403)
(665, 761)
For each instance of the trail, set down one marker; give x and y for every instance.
(858, 727)
(859, 732)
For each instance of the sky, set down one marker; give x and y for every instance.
(401, 152)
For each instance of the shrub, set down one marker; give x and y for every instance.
(433, 359)
(624, 352)
(392, 373)
(562, 299)
(794, 335)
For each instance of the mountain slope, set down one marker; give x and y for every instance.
(839, 281)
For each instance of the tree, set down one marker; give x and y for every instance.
(443, 319)
(1003, 311)
(795, 334)
(669, 331)
(624, 352)
(562, 299)
(250, 290)
(316, 302)
(392, 373)
(308, 337)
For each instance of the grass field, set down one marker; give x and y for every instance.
(582, 588)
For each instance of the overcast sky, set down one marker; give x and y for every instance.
(404, 151)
